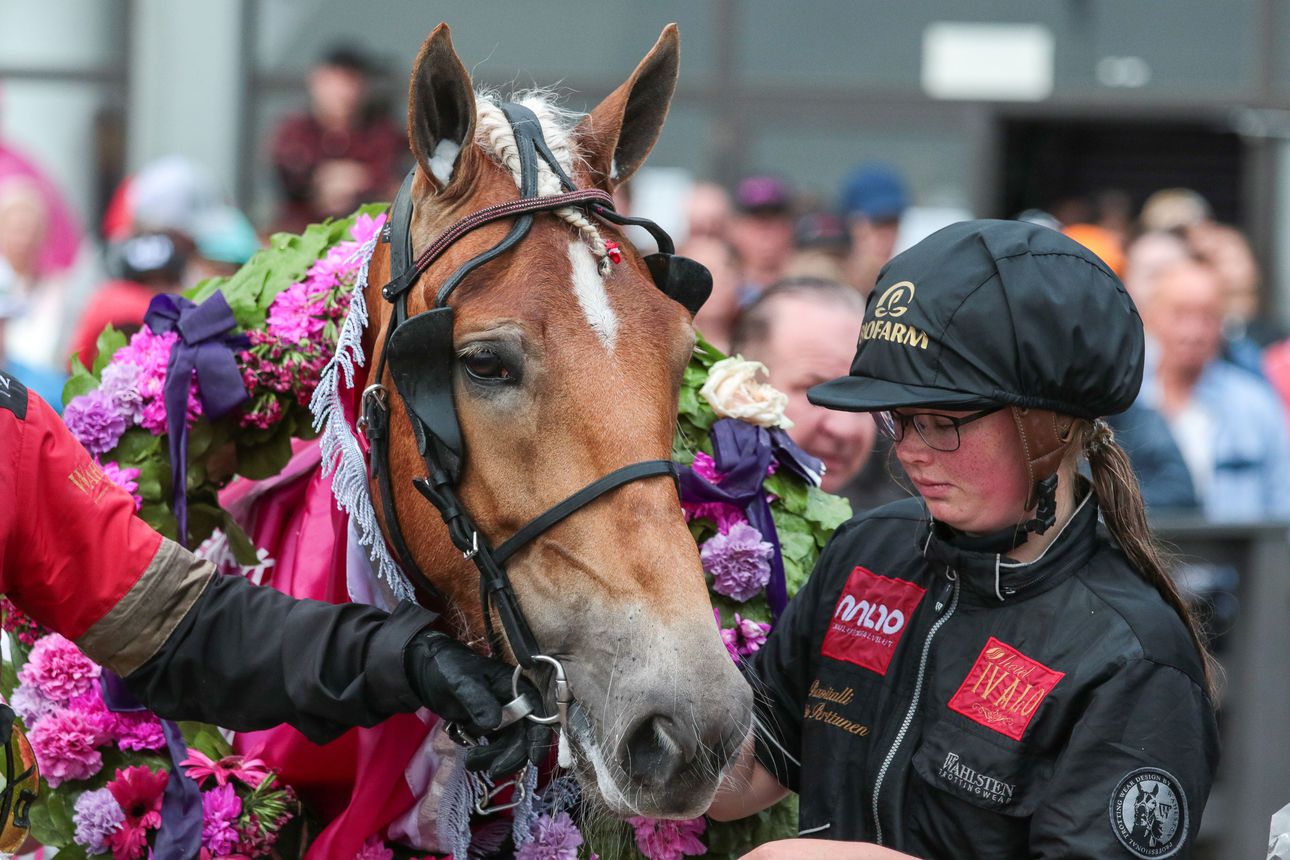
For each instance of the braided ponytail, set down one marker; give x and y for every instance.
(1120, 499)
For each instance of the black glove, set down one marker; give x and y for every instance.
(470, 690)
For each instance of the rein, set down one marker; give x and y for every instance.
(420, 354)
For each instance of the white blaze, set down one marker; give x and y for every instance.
(589, 287)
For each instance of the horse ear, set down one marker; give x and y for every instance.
(441, 111)
(618, 135)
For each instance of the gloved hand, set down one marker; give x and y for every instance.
(470, 690)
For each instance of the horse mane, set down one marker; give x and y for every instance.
(493, 134)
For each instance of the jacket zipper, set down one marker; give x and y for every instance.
(913, 703)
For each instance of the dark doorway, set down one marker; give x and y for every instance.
(1063, 165)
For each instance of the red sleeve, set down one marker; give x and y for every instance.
(72, 546)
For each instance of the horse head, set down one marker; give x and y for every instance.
(566, 366)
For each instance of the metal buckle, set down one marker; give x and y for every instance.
(490, 792)
(375, 392)
(563, 698)
(474, 547)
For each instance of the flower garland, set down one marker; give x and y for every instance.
(751, 499)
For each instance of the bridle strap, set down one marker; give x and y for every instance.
(580, 499)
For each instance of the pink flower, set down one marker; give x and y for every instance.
(139, 790)
(64, 743)
(746, 637)
(126, 479)
(669, 840)
(150, 352)
(294, 314)
(725, 516)
(200, 767)
(365, 227)
(59, 670)
(139, 731)
(706, 468)
(221, 807)
(374, 849)
(30, 704)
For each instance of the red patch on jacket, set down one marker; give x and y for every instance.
(869, 619)
(1004, 689)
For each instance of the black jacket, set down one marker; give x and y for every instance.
(948, 703)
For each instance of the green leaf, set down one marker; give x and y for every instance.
(110, 340)
(159, 516)
(825, 509)
(244, 550)
(51, 818)
(205, 738)
(154, 479)
(80, 382)
(790, 489)
(134, 446)
(9, 668)
(266, 459)
(202, 520)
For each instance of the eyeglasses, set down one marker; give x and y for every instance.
(939, 432)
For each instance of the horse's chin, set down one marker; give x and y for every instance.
(604, 783)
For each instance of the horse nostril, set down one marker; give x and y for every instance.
(657, 749)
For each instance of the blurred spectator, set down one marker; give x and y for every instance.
(1174, 210)
(708, 212)
(805, 332)
(762, 230)
(717, 316)
(1246, 330)
(822, 248)
(1226, 421)
(1162, 472)
(1146, 257)
(36, 329)
(341, 153)
(1102, 242)
(62, 236)
(873, 199)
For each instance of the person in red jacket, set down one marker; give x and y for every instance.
(195, 645)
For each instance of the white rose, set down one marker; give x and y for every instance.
(732, 390)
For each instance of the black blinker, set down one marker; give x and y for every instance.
(681, 279)
(421, 358)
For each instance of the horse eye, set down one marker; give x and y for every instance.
(486, 365)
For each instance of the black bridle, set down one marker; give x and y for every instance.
(420, 354)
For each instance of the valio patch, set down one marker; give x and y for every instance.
(1004, 689)
(870, 617)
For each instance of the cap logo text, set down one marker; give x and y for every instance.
(892, 304)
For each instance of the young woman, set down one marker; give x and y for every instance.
(1002, 666)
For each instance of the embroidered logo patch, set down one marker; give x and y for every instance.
(870, 618)
(1004, 689)
(1149, 813)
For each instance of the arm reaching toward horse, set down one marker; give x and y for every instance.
(748, 788)
(194, 644)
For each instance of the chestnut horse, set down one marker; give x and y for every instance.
(568, 367)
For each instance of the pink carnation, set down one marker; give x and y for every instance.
(746, 637)
(139, 731)
(295, 315)
(59, 670)
(150, 352)
(365, 227)
(669, 840)
(706, 468)
(65, 746)
(126, 479)
(374, 849)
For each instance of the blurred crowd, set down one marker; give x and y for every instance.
(791, 274)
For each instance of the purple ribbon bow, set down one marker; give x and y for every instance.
(206, 346)
(180, 834)
(742, 452)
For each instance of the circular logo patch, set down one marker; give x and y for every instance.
(1149, 813)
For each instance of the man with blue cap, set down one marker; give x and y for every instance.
(873, 199)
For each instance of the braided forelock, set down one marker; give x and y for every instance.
(495, 135)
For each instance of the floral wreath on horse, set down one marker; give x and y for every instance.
(235, 417)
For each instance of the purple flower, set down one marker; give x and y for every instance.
(221, 807)
(59, 670)
(97, 816)
(738, 561)
(119, 383)
(553, 837)
(150, 352)
(95, 421)
(746, 637)
(669, 840)
(65, 746)
(29, 703)
(126, 479)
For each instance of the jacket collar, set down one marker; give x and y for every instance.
(994, 578)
